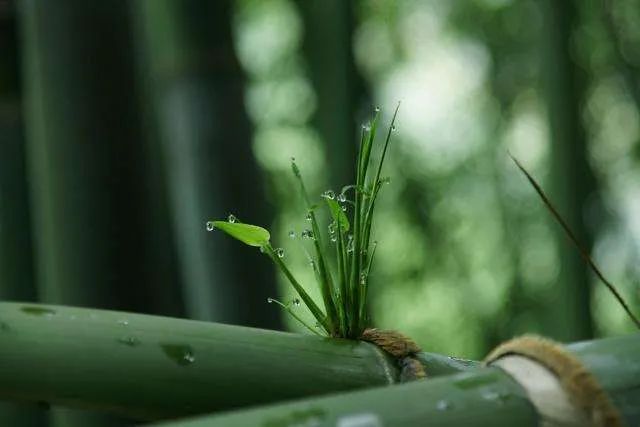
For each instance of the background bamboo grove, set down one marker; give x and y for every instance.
(125, 125)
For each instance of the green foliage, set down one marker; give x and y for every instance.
(252, 235)
(344, 293)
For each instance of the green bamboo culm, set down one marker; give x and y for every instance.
(479, 397)
(343, 281)
(153, 368)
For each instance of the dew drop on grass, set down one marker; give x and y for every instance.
(269, 300)
(350, 243)
(292, 234)
(280, 252)
(231, 218)
(366, 127)
(329, 194)
(342, 198)
(210, 226)
(309, 217)
(363, 278)
(377, 109)
(393, 128)
(334, 238)
(307, 234)
(344, 208)
(293, 159)
(296, 302)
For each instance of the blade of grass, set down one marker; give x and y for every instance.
(326, 284)
(315, 310)
(287, 308)
(572, 237)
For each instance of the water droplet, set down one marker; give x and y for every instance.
(312, 263)
(130, 341)
(307, 234)
(443, 405)
(38, 311)
(495, 395)
(344, 208)
(231, 218)
(292, 234)
(377, 109)
(332, 227)
(123, 322)
(280, 252)
(296, 302)
(262, 249)
(366, 127)
(329, 194)
(293, 159)
(181, 354)
(350, 243)
(366, 419)
(210, 226)
(342, 198)
(393, 128)
(188, 358)
(269, 300)
(309, 216)
(333, 238)
(363, 278)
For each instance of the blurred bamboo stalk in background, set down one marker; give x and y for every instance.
(92, 227)
(195, 89)
(573, 184)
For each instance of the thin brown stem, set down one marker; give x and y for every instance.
(583, 252)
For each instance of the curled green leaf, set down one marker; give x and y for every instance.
(338, 214)
(251, 235)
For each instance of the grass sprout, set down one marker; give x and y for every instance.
(341, 272)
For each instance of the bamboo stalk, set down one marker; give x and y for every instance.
(481, 397)
(149, 367)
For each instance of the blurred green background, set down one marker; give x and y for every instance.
(125, 125)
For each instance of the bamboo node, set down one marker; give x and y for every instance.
(401, 347)
(581, 386)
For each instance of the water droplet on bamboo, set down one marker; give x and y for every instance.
(181, 354)
(443, 405)
(231, 218)
(130, 341)
(280, 252)
(210, 226)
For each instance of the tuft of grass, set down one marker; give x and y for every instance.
(342, 265)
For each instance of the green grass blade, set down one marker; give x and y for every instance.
(338, 214)
(315, 310)
(287, 308)
(251, 235)
(326, 283)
